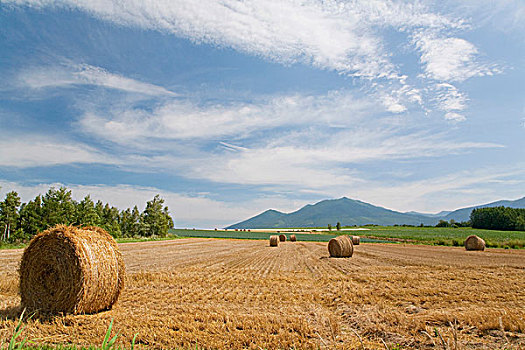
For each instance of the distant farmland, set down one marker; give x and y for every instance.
(309, 237)
(419, 235)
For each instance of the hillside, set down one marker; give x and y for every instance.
(351, 212)
(347, 211)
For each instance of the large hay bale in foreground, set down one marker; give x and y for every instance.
(282, 238)
(274, 241)
(71, 270)
(356, 240)
(293, 238)
(474, 242)
(341, 247)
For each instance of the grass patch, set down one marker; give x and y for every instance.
(448, 236)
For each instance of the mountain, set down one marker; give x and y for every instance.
(347, 211)
(351, 212)
(464, 213)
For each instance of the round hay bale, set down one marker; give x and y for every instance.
(282, 238)
(474, 242)
(274, 241)
(356, 240)
(71, 270)
(341, 247)
(293, 238)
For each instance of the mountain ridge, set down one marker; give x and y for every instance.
(351, 212)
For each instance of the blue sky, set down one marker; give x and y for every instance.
(228, 108)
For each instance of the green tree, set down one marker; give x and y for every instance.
(443, 223)
(338, 226)
(126, 225)
(85, 213)
(9, 214)
(99, 208)
(31, 217)
(156, 218)
(329, 227)
(497, 218)
(110, 220)
(58, 207)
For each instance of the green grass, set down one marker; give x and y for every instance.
(5, 245)
(320, 237)
(17, 343)
(447, 235)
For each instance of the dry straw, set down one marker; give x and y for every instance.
(274, 241)
(473, 242)
(282, 238)
(356, 240)
(293, 238)
(341, 247)
(71, 270)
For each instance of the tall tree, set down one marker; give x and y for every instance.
(58, 207)
(31, 217)
(85, 213)
(157, 220)
(9, 214)
(110, 220)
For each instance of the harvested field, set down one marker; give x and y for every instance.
(243, 294)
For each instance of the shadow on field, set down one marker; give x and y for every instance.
(15, 313)
(11, 313)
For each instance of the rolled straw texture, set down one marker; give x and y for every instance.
(293, 238)
(474, 242)
(356, 240)
(341, 247)
(282, 238)
(274, 241)
(71, 270)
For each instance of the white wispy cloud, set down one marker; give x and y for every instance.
(321, 161)
(449, 99)
(35, 150)
(83, 74)
(183, 119)
(449, 58)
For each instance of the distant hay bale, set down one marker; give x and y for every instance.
(274, 241)
(341, 247)
(282, 238)
(356, 240)
(71, 270)
(473, 242)
(293, 238)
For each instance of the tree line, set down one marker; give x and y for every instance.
(498, 218)
(21, 221)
